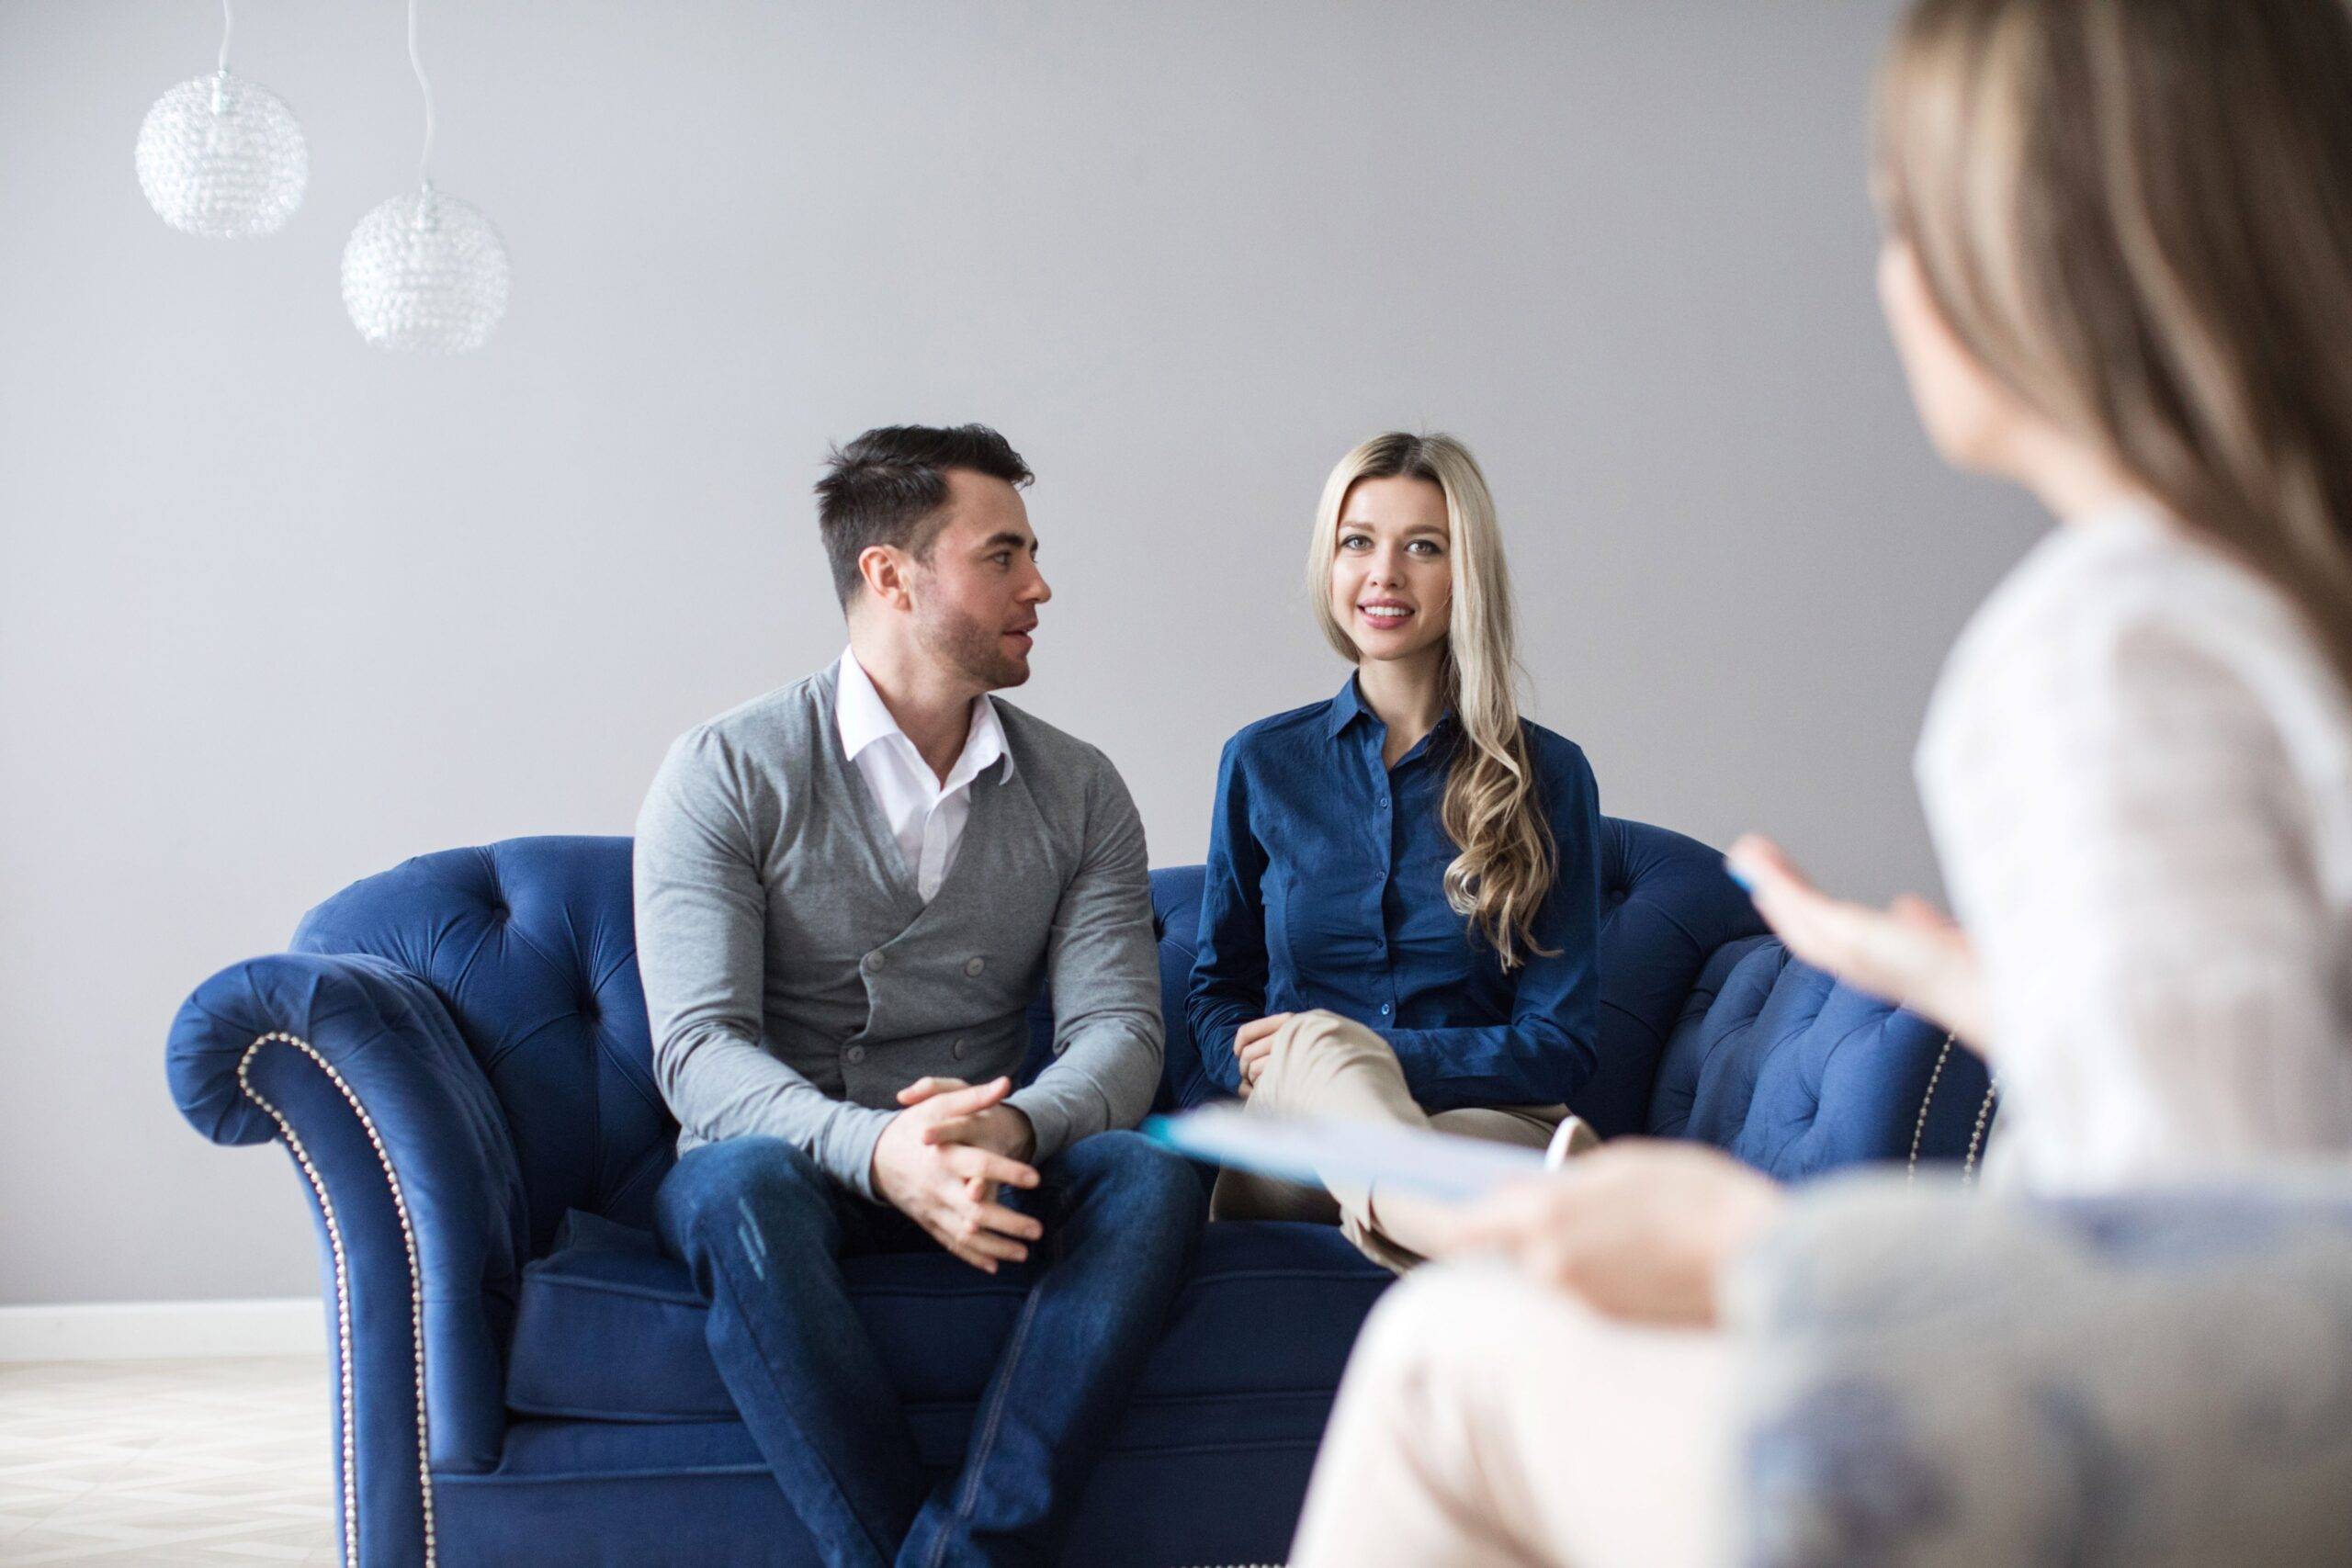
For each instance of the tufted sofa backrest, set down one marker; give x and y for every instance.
(531, 943)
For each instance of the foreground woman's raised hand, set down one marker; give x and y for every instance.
(1642, 1229)
(1910, 953)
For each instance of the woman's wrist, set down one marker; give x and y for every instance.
(1746, 1217)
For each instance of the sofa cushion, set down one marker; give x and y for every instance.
(1223, 1487)
(609, 1328)
(1765, 1043)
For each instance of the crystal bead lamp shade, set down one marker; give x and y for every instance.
(424, 272)
(222, 157)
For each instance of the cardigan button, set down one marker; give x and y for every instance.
(854, 1055)
(871, 961)
(956, 1050)
(974, 965)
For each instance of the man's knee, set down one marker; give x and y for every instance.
(1137, 1174)
(764, 1193)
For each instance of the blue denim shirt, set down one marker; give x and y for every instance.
(1326, 889)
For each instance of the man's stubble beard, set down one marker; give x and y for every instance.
(970, 649)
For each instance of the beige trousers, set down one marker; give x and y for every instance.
(1323, 1065)
(1486, 1421)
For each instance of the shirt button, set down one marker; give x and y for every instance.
(956, 1050)
(871, 961)
(974, 965)
(856, 1054)
(1384, 1009)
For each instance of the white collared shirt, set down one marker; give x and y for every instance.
(2138, 766)
(925, 816)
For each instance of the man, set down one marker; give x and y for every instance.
(847, 891)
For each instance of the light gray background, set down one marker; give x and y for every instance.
(277, 611)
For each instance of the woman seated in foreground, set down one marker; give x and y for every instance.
(2118, 265)
(1403, 897)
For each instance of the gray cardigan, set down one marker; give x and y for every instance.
(795, 981)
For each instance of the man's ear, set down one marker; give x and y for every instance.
(884, 569)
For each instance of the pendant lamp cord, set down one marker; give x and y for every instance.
(221, 77)
(424, 159)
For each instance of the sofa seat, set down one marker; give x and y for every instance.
(660, 1494)
(609, 1329)
(692, 1494)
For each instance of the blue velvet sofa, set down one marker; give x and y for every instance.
(455, 1053)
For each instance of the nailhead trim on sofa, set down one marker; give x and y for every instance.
(342, 1285)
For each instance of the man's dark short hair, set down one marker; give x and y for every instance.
(888, 486)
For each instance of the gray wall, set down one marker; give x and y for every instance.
(276, 611)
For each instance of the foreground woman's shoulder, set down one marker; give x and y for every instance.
(2093, 600)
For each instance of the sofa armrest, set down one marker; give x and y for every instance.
(354, 1064)
(1802, 1075)
(1930, 1375)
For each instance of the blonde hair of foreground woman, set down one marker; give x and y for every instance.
(2146, 264)
(1489, 808)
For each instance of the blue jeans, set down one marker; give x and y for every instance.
(762, 1229)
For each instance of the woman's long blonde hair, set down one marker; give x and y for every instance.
(2136, 215)
(1491, 810)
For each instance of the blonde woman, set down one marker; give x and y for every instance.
(1403, 892)
(2118, 266)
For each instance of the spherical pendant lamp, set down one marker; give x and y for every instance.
(222, 156)
(424, 272)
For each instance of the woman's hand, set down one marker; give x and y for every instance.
(1253, 1042)
(1640, 1229)
(1910, 953)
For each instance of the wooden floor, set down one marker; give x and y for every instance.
(155, 1462)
